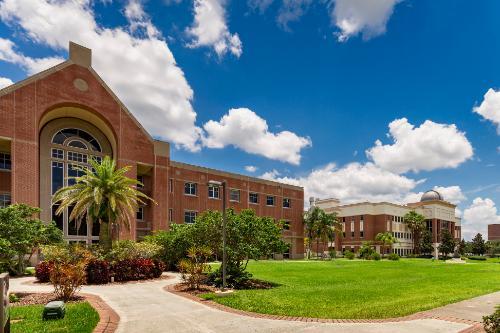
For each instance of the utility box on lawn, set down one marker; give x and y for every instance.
(54, 310)
(4, 303)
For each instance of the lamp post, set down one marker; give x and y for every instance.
(224, 217)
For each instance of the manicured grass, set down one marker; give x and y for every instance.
(362, 289)
(80, 318)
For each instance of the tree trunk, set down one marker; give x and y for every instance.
(317, 247)
(105, 236)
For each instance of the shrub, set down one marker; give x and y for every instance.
(366, 251)
(349, 255)
(492, 322)
(332, 253)
(236, 277)
(42, 271)
(13, 298)
(393, 256)
(477, 258)
(127, 249)
(98, 272)
(193, 269)
(375, 256)
(68, 273)
(137, 269)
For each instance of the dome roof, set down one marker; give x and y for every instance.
(431, 196)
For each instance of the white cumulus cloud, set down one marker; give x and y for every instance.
(251, 168)
(5, 82)
(134, 60)
(210, 28)
(244, 129)
(427, 147)
(366, 17)
(489, 108)
(477, 216)
(292, 10)
(351, 183)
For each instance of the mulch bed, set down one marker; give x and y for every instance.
(251, 284)
(40, 298)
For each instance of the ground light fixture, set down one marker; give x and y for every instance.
(224, 218)
(54, 310)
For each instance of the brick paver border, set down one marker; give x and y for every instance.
(108, 318)
(475, 327)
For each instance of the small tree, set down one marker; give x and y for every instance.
(462, 246)
(447, 244)
(425, 245)
(416, 224)
(311, 219)
(102, 194)
(325, 228)
(21, 234)
(478, 246)
(493, 248)
(386, 239)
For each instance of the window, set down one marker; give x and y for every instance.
(140, 214)
(361, 234)
(253, 198)
(213, 192)
(189, 216)
(361, 218)
(57, 176)
(5, 162)
(286, 225)
(77, 157)
(140, 179)
(57, 153)
(77, 144)
(361, 228)
(234, 195)
(270, 200)
(4, 200)
(286, 203)
(74, 171)
(61, 136)
(171, 185)
(170, 215)
(190, 188)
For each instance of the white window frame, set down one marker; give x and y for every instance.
(231, 192)
(213, 192)
(191, 186)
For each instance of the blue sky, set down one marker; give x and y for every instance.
(326, 77)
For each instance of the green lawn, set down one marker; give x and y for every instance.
(362, 289)
(80, 318)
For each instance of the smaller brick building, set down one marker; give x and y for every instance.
(66, 115)
(494, 232)
(362, 221)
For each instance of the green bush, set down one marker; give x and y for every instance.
(332, 253)
(393, 256)
(13, 298)
(367, 251)
(492, 322)
(349, 255)
(174, 244)
(129, 250)
(477, 258)
(375, 256)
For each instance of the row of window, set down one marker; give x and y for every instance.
(351, 218)
(5, 161)
(403, 235)
(234, 195)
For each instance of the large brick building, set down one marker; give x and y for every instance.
(362, 221)
(67, 114)
(494, 232)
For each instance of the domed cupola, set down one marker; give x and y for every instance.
(431, 196)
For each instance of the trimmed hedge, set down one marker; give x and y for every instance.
(477, 258)
(100, 271)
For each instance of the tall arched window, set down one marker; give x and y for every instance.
(72, 147)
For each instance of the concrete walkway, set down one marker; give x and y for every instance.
(146, 307)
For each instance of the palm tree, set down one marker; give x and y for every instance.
(102, 194)
(325, 228)
(387, 239)
(416, 224)
(311, 218)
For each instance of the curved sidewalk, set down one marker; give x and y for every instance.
(146, 307)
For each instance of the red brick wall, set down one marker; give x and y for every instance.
(494, 232)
